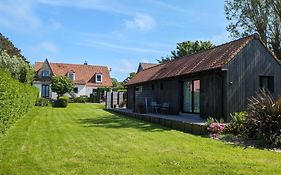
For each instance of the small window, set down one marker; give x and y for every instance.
(45, 73)
(98, 78)
(152, 87)
(267, 82)
(71, 75)
(75, 90)
(138, 89)
(161, 86)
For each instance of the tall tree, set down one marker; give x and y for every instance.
(256, 16)
(6, 44)
(187, 48)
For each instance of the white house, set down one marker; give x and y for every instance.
(87, 78)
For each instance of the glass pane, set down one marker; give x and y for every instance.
(187, 96)
(196, 91)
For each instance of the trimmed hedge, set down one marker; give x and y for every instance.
(15, 100)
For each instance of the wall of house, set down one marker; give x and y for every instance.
(243, 75)
(210, 99)
(89, 90)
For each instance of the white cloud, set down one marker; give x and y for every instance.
(118, 47)
(18, 15)
(101, 5)
(48, 46)
(142, 22)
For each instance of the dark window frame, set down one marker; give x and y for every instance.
(269, 82)
(45, 92)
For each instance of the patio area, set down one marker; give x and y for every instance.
(190, 123)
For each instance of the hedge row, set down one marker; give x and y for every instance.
(15, 100)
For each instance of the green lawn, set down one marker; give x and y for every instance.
(85, 139)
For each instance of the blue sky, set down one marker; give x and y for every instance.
(115, 33)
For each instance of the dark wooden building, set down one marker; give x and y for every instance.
(215, 82)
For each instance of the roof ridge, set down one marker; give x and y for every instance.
(183, 57)
(71, 64)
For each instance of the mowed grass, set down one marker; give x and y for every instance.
(85, 139)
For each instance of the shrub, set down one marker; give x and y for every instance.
(62, 102)
(236, 124)
(263, 119)
(216, 128)
(81, 99)
(15, 100)
(42, 102)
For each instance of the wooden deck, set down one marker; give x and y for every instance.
(190, 123)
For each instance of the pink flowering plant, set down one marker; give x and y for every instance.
(216, 128)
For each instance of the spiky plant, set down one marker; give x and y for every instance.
(263, 119)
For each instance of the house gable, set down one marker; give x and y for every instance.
(44, 67)
(244, 71)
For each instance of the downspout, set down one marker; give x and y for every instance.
(224, 108)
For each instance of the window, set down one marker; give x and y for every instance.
(45, 73)
(75, 90)
(152, 87)
(98, 78)
(138, 89)
(45, 91)
(267, 82)
(71, 75)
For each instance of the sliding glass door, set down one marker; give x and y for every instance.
(191, 96)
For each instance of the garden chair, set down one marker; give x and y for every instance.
(165, 108)
(155, 107)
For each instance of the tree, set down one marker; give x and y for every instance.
(6, 44)
(256, 16)
(61, 85)
(117, 86)
(131, 75)
(187, 48)
(17, 67)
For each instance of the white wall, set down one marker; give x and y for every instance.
(82, 90)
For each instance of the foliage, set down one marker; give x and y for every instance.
(117, 86)
(236, 125)
(216, 128)
(17, 67)
(15, 100)
(211, 120)
(131, 75)
(263, 119)
(262, 16)
(43, 102)
(61, 102)
(61, 85)
(187, 48)
(6, 44)
(80, 100)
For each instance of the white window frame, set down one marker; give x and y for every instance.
(97, 78)
(73, 75)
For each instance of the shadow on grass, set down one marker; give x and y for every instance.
(120, 121)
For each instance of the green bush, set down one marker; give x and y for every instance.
(42, 102)
(81, 99)
(263, 119)
(236, 124)
(62, 102)
(15, 100)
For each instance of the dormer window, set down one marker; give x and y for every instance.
(71, 75)
(45, 73)
(98, 78)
